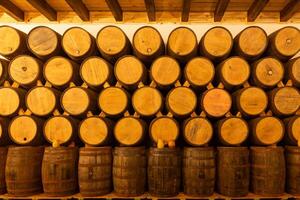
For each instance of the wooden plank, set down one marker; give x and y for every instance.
(220, 10)
(12, 10)
(80, 9)
(256, 7)
(186, 10)
(289, 10)
(44, 8)
(150, 7)
(115, 8)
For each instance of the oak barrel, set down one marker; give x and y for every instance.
(292, 158)
(11, 100)
(293, 71)
(3, 156)
(292, 130)
(4, 137)
(3, 71)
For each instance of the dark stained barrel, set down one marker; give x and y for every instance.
(233, 171)
(94, 171)
(292, 158)
(199, 171)
(164, 172)
(267, 171)
(3, 155)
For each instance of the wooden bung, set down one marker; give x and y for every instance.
(148, 44)
(267, 72)
(113, 43)
(216, 44)
(182, 44)
(4, 136)
(11, 100)
(78, 44)
(44, 42)
(292, 130)
(60, 72)
(3, 158)
(293, 71)
(197, 131)
(3, 71)
(251, 43)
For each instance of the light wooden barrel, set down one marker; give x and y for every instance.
(3, 71)
(292, 157)
(293, 71)
(4, 136)
(95, 171)
(3, 156)
(23, 171)
(182, 44)
(147, 44)
(292, 130)
(112, 43)
(11, 100)
(59, 171)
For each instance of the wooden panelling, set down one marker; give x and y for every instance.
(59, 5)
(23, 5)
(168, 5)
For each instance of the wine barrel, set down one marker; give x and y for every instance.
(284, 43)
(3, 71)
(60, 71)
(284, 101)
(199, 171)
(182, 44)
(130, 131)
(78, 44)
(25, 70)
(165, 71)
(113, 43)
(233, 171)
(292, 158)
(59, 171)
(216, 44)
(267, 171)
(4, 136)
(3, 156)
(148, 44)
(181, 101)
(197, 131)
(23, 170)
(251, 43)
(95, 171)
(13, 42)
(129, 171)
(292, 130)
(267, 72)
(232, 131)
(11, 100)
(44, 42)
(147, 101)
(164, 172)
(293, 71)
(130, 71)
(266, 130)
(95, 130)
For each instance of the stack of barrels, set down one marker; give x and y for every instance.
(102, 114)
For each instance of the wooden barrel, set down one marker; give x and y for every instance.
(113, 43)
(4, 136)
(267, 171)
(11, 100)
(44, 42)
(292, 158)
(267, 72)
(59, 171)
(164, 172)
(165, 71)
(284, 43)
(251, 43)
(78, 101)
(250, 101)
(129, 171)
(60, 71)
(198, 171)
(292, 130)
(148, 44)
(293, 71)
(216, 102)
(25, 70)
(181, 101)
(232, 131)
(13, 42)
(23, 171)
(78, 44)
(3, 71)
(233, 171)
(96, 71)
(216, 44)
(182, 44)
(3, 156)
(95, 130)
(284, 101)
(197, 131)
(147, 101)
(130, 131)
(95, 171)
(199, 72)
(130, 71)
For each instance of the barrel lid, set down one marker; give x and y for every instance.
(269, 130)
(9, 39)
(287, 41)
(164, 128)
(287, 100)
(75, 100)
(295, 70)
(295, 129)
(58, 128)
(234, 130)
(9, 101)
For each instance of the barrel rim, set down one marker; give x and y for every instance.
(276, 90)
(18, 32)
(19, 99)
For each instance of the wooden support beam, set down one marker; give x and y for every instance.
(80, 9)
(288, 11)
(12, 10)
(44, 8)
(150, 7)
(185, 10)
(115, 8)
(256, 7)
(220, 10)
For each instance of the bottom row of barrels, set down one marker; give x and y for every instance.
(97, 171)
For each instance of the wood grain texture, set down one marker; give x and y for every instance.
(220, 9)
(289, 10)
(256, 7)
(13, 10)
(44, 8)
(80, 9)
(186, 10)
(150, 8)
(115, 9)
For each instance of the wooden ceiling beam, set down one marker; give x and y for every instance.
(44, 8)
(80, 9)
(288, 11)
(12, 10)
(150, 8)
(256, 7)
(220, 10)
(115, 8)
(185, 10)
